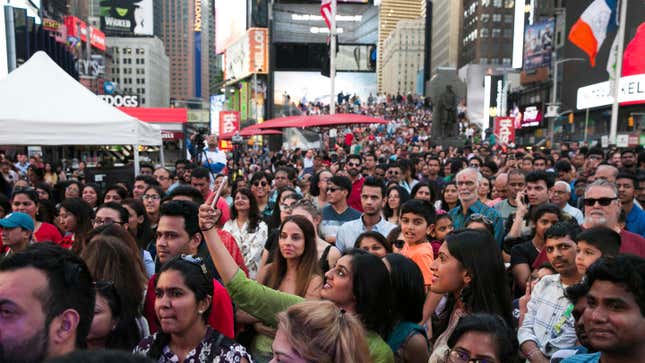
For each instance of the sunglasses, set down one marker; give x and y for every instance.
(590, 202)
(332, 190)
(263, 183)
(353, 164)
(476, 217)
(197, 261)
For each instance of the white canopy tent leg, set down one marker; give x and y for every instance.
(162, 159)
(136, 159)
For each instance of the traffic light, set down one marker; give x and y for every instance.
(571, 118)
(630, 121)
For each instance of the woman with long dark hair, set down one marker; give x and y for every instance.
(449, 197)
(139, 228)
(248, 229)
(396, 196)
(75, 218)
(25, 199)
(152, 201)
(359, 284)
(470, 271)
(91, 193)
(184, 292)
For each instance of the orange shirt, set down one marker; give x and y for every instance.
(423, 256)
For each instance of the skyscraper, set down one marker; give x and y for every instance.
(487, 33)
(184, 28)
(392, 11)
(446, 30)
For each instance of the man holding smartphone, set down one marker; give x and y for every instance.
(536, 193)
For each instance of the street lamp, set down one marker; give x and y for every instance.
(553, 113)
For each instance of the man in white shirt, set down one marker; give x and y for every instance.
(213, 158)
(559, 195)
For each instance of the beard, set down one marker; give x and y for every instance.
(595, 220)
(32, 350)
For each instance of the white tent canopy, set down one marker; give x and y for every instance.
(40, 104)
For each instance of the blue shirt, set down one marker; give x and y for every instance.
(349, 231)
(331, 221)
(459, 219)
(635, 221)
(583, 358)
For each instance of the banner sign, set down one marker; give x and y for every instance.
(125, 17)
(632, 91)
(532, 117)
(504, 130)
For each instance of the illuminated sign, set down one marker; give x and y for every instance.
(632, 90)
(121, 101)
(504, 130)
(532, 117)
(198, 15)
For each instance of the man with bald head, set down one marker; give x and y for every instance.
(606, 172)
(500, 189)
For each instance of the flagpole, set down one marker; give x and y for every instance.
(613, 127)
(332, 59)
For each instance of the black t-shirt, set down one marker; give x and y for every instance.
(523, 252)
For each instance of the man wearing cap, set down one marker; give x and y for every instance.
(17, 228)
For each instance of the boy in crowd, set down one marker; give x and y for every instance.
(593, 244)
(417, 221)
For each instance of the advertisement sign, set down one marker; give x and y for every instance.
(50, 24)
(217, 105)
(301, 138)
(76, 28)
(120, 101)
(230, 23)
(197, 23)
(229, 121)
(123, 17)
(247, 55)
(504, 130)
(581, 74)
(538, 45)
(632, 90)
(97, 39)
(532, 117)
(93, 68)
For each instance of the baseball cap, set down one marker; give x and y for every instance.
(17, 219)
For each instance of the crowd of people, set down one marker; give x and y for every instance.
(378, 247)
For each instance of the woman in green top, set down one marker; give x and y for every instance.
(358, 284)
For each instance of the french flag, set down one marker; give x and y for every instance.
(589, 32)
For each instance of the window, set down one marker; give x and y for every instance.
(496, 33)
(497, 18)
(497, 3)
(508, 33)
(508, 19)
(483, 60)
(484, 18)
(506, 61)
(483, 33)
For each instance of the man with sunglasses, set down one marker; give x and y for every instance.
(354, 169)
(602, 208)
(337, 212)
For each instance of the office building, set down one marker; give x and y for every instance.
(403, 57)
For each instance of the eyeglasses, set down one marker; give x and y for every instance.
(286, 207)
(393, 172)
(477, 217)
(353, 164)
(605, 201)
(195, 260)
(399, 243)
(462, 356)
(101, 221)
(263, 183)
(151, 197)
(331, 190)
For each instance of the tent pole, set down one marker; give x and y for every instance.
(136, 159)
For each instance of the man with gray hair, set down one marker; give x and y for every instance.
(470, 207)
(602, 208)
(559, 195)
(606, 172)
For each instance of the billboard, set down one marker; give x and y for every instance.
(504, 130)
(538, 45)
(197, 57)
(577, 76)
(230, 23)
(123, 17)
(532, 116)
(248, 55)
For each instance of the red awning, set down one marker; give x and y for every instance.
(160, 115)
(319, 120)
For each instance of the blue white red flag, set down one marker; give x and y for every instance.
(590, 31)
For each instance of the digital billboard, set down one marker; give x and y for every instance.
(538, 45)
(230, 23)
(123, 17)
(581, 76)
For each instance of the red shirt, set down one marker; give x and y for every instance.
(48, 233)
(221, 316)
(354, 199)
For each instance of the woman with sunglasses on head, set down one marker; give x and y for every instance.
(484, 338)
(293, 270)
(152, 201)
(359, 284)
(184, 292)
(75, 219)
(25, 199)
(248, 229)
(117, 322)
(470, 272)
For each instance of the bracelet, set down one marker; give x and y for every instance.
(209, 228)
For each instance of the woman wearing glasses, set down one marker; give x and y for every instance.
(359, 283)
(152, 201)
(260, 187)
(482, 338)
(470, 272)
(183, 292)
(25, 200)
(249, 231)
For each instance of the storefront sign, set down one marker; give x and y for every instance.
(167, 135)
(50, 24)
(97, 38)
(121, 101)
(631, 91)
(504, 130)
(532, 117)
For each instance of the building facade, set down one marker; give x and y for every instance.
(402, 57)
(391, 12)
(141, 67)
(446, 34)
(184, 28)
(487, 32)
